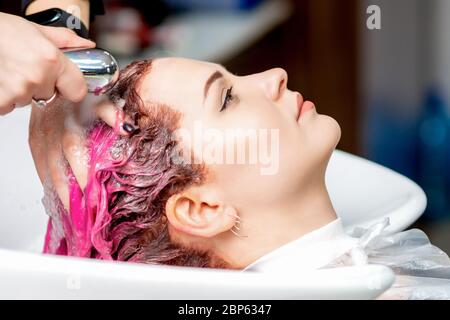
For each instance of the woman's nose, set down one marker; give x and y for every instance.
(274, 83)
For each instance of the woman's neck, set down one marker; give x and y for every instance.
(269, 229)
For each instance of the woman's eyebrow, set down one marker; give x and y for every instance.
(213, 77)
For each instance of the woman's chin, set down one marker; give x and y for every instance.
(336, 131)
(327, 136)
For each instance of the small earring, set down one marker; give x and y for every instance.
(237, 226)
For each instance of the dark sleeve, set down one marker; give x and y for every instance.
(11, 7)
(96, 9)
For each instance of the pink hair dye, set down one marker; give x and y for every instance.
(120, 215)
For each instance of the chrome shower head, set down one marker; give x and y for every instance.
(98, 66)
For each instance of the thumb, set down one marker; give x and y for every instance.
(114, 116)
(64, 38)
(101, 107)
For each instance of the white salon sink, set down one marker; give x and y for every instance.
(362, 193)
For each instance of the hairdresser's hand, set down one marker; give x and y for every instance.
(73, 142)
(57, 138)
(31, 64)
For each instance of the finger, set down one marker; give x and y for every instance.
(6, 109)
(65, 38)
(46, 89)
(20, 93)
(115, 118)
(70, 82)
(6, 103)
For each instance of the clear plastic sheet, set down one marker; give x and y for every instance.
(423, 270)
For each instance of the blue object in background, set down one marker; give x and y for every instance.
(390, 138)
(213, 4)
(433, 155)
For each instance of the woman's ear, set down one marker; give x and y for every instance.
(200, 212)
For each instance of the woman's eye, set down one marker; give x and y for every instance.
(227, 99)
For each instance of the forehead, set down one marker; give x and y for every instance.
(176, 82)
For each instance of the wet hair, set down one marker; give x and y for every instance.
(130, 180)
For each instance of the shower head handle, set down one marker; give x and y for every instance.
(100, 69)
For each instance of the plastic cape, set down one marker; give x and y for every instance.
(422, 270)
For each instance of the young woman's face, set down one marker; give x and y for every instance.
(260, 141)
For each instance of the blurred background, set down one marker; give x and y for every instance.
(388, 88)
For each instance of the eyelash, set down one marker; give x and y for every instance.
(228, 97)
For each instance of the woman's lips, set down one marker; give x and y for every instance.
(303, 106)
